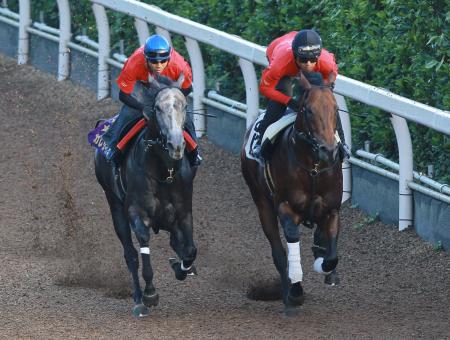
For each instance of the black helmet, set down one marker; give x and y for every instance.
(307, 44)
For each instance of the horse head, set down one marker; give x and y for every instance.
(317, 119)
(165, 108)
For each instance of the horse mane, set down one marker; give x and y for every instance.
(152, 89)
(314, 78)
(163, 80)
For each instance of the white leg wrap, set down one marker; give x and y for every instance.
(183, 268)
(318, 266)
(145, 250)
(295, 272)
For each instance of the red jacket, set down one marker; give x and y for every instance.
(135, 69)
(282, 64)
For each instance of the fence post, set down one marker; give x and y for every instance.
(142, 30)
(405, 155)
(103, 50)
(64, 38)
(24, 23)
(198, 85)
(251, 90)
(346, 167)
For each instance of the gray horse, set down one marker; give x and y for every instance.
(153, 189)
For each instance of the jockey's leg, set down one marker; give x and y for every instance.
(126, 119)
(194, 156)
(274, 111)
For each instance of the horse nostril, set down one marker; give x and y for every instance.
(170, 145)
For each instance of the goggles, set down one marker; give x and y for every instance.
(154, 57)
(304, 60)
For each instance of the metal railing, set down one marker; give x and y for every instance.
(248, 53)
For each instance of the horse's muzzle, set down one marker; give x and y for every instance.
(328, 154)
(175, 151)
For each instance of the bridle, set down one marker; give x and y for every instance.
(158, 144)
(308, 136)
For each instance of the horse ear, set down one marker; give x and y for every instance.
(304, 83)
(153, 82)
(180, 80)
(331, 77)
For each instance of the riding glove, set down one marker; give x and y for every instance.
(294, 105)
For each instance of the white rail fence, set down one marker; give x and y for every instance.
(248, 53)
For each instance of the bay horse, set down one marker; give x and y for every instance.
(301, 183)
(157, 183)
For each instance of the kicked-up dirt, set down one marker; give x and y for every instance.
(63, 275)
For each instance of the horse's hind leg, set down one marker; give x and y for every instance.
(269, 224)
(325, 247)
(123, 231)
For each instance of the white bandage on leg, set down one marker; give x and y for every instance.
(295, 272)
(318, 266)
(145, 250)
(183, 268)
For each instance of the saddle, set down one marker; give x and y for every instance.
(270, 136)
(95, 136)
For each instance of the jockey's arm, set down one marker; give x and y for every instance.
(131, 101)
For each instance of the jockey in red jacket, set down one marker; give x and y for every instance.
(156, 56)
(288, 55)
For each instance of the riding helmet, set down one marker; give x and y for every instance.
(307, 44)
(157, 48)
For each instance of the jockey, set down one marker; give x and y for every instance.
(156, 56)
(288, 55)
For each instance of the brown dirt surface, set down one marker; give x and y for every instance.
(63, 275)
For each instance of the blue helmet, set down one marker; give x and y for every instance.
(157, 48)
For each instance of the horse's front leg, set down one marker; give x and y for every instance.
(182, 242)
(290, 223)
(122, 229)
(325, 247)
(149, 297)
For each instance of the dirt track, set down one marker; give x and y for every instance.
(63, 275)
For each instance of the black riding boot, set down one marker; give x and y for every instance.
(194, 156)
(274, 112)
(344, 150)
(126, 119)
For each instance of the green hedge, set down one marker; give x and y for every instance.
(399, 45)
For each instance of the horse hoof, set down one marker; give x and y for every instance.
(151, 300)
(192, 271)
(176, 266)
(141, 311)
(296, 295)
(332, 279)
